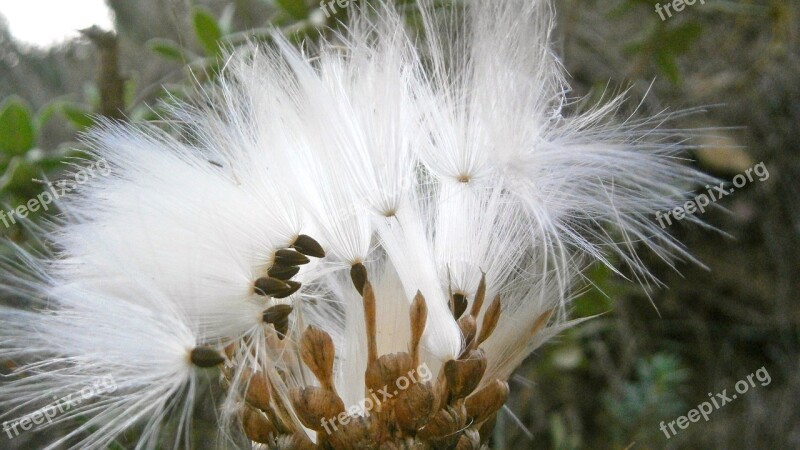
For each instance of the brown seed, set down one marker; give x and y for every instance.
(440, 391)
(468, 328)
(315, 404)
(459, 304)
(486, 401)
(281, 328)
(257, 426)
(486, 429)
(464, 375)
(541, 321)
(387, 369)
(358, 433)
(277, 313)
(470, 440)
(317, 351)
(443, 430)
(206, 357)
(275, 288)
(269, 286)
(258, 391)
(230, 350)
(278, 316)
(297, 441)
(419, 317)
(490, 320)
(284, 273)
(480, 295)
(413, 407)
(286, 257)
(308, 246)
(294, 286)
(279, 412)
(358, 273)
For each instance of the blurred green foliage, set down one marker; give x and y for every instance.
(652, 396)
(22, 162)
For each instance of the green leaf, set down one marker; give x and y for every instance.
(77, 116)
(207, 30)
(667, 63)
(18, 178)
(47, 112)
(168, 49)
(680, 39)
(296, 8)
(17, 131)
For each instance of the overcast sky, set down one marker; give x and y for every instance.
(45, 22)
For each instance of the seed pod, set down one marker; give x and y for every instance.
(296, 441)
(258, 391)
(414, 407)
(445, 427)
(487, 428)
(317, 352)
(257, 426)
(483, 403)
(468, 328)
(354, 432)
(418, 319)
(490, 320)
(464, 375)
(470, 440)
(386, 370)
(480, 295)
(541, 322)
(230, 350)
(315, 404)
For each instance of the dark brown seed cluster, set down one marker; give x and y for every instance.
(456, 411)
(278, 282)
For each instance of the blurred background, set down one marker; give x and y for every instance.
(609, 382)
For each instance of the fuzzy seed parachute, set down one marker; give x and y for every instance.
(358, 243)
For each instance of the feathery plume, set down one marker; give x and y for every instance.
(360, 243)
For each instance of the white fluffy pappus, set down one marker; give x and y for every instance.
(495, 110)
(102, 363)
(442, 164)
(173, 220)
